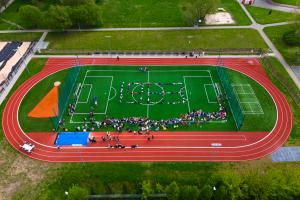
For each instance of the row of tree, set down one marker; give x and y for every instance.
(67, 14)
(274, 184)
(86, 13)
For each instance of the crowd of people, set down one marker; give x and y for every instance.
(144, 123)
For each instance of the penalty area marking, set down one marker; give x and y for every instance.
(207, 96)
(108, 99)
(88, 97)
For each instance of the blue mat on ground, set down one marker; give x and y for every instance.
(72, 138)
(286, 154)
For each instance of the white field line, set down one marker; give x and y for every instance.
(99, 76)
(197, 76)
(101, 113)
(187, 70)
(87, 100)
(114, 95)
(112, 78)
(186, 93)
(249, 103)
(208, 100)
(148, 80)
(78, 95)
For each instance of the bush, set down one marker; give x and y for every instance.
(291, 38)
(31, 15)
(172, 191)
(189, 192)
(77, 193)
(146, 189)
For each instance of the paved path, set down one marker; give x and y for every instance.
(8, 4)
(260, 28)
(128, 29)
(286, 154)
(254, 25)
(296, 69)
(275, 6)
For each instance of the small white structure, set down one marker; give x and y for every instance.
(27, 147)
(219, 18)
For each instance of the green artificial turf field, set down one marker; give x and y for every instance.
(158, 93)
(163, 92)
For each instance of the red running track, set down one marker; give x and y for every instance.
(167, 146)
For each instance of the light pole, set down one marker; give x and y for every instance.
(109, 37)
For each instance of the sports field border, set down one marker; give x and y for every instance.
(257, 144)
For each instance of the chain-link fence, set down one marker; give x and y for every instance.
(192, 52)
(293, 91)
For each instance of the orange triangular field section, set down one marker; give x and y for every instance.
(47, 107)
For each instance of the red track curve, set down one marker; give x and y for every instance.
(257, 144)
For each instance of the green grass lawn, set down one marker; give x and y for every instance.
(261, 15)
(203, 99)
(11, 14)
(20, 36)
(155, 40)
(34, 66)
(237, 13)
(295, 134)
(39, 180)
(265, 106)
(290, 53)
(144, 13)
(136, 13)
(289, 2)
(131, 13)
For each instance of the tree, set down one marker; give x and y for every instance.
(77, 193)
(31, 15)
(189, 192)
(198, 9)
(146, 189)
(76, 2)
(88, 15)
(172, 191)
(94, 15)
(159, 188)
(292, 37)
(58, 18)
(206, 192)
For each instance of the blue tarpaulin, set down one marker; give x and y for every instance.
(72, 138)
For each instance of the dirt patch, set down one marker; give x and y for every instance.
(12, 188)
(18, 171)
(219, 18)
